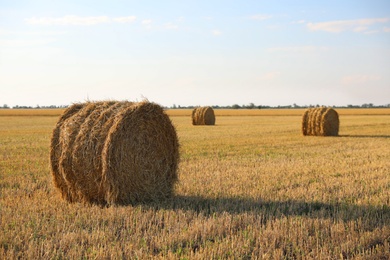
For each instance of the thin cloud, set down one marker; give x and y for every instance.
(269, 76)
(371, 32)
(125, 19)
(171, 26)
(32, 33)
(216, 32)
(260, 17)
(360, 29)
(78, 20)
(297, 49)
(298, 22)
(386, 29)
(359, 79)
(360, 25)
(68, 20)
(46, 33)
(5, 32)
(147, 23)
(24, 43)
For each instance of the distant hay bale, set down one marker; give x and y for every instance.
(203, 116)
(320, 121)
(114, 153)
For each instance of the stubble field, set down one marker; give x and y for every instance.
(250, 187)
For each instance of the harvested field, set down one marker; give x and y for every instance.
(250, 187)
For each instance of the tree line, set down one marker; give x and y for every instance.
(234, 106)
(253, 106)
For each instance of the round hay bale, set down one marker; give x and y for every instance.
(203, 116)
(68, 134)
(56, 150)
(305, 120)
(330, 123)
(320, 121)
(114, 153)
(89, 144)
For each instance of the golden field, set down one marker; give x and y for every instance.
(218, 112)
(250, 187)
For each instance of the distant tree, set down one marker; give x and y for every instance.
(5, 106)
(235, 106)
(251, 106)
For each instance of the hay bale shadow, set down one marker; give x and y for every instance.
(337, 211)
(366, 136)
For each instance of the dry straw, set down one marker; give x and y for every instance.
(203, 116)
(114, 153)
(320, 121)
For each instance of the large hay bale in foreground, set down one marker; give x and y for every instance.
(114, 153)
(320, 121)
(203, 116)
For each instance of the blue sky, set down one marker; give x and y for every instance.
(56, 52)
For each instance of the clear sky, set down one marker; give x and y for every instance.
(195, 52)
